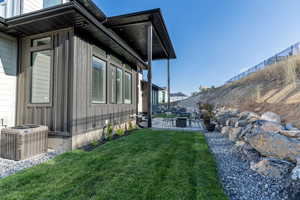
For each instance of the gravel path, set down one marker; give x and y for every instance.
(9, 167)
(239, 181)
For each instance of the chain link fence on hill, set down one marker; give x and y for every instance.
(291, 51)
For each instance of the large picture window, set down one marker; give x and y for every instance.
(98, 80)
(127, 88)
(41, 76)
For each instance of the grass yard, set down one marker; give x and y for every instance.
(147, 165)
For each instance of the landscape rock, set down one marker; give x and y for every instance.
(224, 115)
(234, 133)
(269, 126)
(293, 190)
(238, 180)
(290, 127)
(246, 152)
(273, 144)
(272, 167)
(292, 134)
(270, 116)
(248, 115)
(241, 123)
(232, 121)
(295, 175)
(225, 130)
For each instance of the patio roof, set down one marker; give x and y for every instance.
(133, 28)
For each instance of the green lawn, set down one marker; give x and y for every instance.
(147, 165)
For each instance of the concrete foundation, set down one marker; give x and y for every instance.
(64, 144)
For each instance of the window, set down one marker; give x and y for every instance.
(3, 9)
(113, 84)
(98, 80)
(40, 76)
(119, 80)
(41, 42)
(49, 3)
(128, 88)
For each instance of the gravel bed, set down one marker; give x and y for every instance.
(9, 167)
(239, 181)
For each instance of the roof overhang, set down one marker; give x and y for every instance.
(133, 28)
(154, 86)
(83, 16)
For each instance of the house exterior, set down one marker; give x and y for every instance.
(163, 95)
(177, 97)
(66, 65)
(154, 96)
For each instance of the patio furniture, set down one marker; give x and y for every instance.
(23, 142)
(181, 122)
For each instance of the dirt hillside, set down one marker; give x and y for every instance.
(275, 88)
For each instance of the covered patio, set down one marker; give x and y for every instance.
(147, 34)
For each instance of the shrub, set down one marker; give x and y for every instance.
(130, 125)
(94, 143)
(110, 131)
(120, 132)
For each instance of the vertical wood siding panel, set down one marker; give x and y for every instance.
(56, 116)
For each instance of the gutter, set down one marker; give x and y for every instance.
(3, 24)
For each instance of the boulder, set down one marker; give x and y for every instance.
(292, 134)
(234, 133)
(273, 144)
(231, 121)
(248, 115)
(270, 116)
(241, 123)
(295, 175)
(225, 130)
(223, 116)
(272, 167)
(218, 127)
(269, 126)
(246, 152)
(290, 127)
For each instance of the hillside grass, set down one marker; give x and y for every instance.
(164, 165)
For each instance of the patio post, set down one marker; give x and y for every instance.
(169, 84)
(149, 46)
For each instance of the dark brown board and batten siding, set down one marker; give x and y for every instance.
(71, 111)
(86, 115)
(56, 115)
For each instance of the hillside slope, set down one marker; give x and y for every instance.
(275, 88)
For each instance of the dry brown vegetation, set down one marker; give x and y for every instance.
(275, 88)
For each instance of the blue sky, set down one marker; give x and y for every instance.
(216, 39)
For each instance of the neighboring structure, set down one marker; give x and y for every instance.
(66, 65)
(163, 96)
(155, 95)
(177, 97)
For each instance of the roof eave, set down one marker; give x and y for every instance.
(152, 13)
(78, 7)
